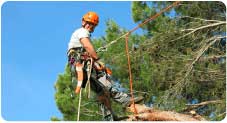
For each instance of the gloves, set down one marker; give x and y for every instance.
(108, 71)
(99, 64)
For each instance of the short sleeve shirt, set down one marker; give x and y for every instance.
(76, 36)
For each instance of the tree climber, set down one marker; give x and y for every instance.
(80, 49)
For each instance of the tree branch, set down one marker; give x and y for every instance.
(193, 106)
(199, 28)
(201, 19)
(212, 57)
(180, 83)
(205, 103)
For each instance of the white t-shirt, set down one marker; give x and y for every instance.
(76, 36)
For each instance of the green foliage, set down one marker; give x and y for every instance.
(204, 9)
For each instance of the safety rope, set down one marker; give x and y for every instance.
(104, 48)
(127, 49)
(155, 16)
(130, 73)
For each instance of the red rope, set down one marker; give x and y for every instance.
(130, 73)
(127, 51)
(155, 16)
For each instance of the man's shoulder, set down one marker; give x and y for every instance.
(82, 30)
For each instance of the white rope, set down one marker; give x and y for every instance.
(78, 113)
(88, 81)
(89, 88)
(104, 48)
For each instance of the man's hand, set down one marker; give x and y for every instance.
(99, 64)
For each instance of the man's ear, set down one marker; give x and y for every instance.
(83, 23)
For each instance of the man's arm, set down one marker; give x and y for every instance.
(89, 47)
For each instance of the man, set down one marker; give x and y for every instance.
(79, 50)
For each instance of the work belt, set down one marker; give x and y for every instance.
(77, 54)
(77, 49)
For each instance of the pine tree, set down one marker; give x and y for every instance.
(188, 55)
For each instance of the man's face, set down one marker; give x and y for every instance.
(89, 26)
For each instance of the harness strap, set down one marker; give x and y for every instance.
(88, 85)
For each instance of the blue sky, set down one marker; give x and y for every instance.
(34, 38)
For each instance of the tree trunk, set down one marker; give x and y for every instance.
(149, 114)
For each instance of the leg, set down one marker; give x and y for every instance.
(79, 71)
(103, 97)
(105, 106)
(107, 115)
(116, 94)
